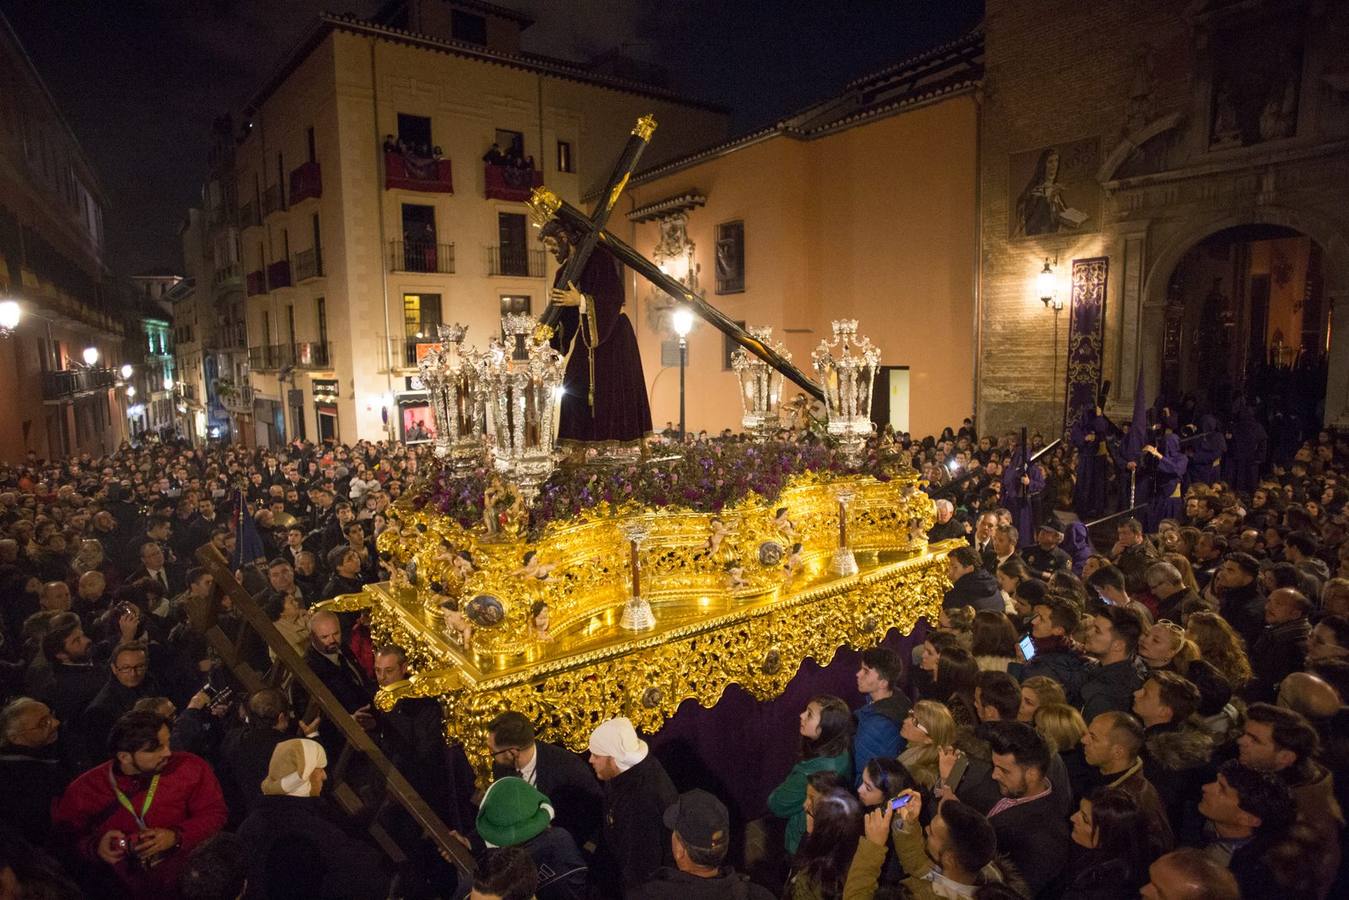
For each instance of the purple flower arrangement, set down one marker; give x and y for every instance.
(703, 477)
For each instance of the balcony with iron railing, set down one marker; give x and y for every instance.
(509, 182)
(413, 173)
(421, 256)
(278, 274)
(69, 383)
(300, 355)
(256, 283)
(519, 262)
(236, 398)
(308, 264)
(305, 181)
(273, 200)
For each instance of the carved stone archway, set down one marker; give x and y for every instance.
(1335, 269)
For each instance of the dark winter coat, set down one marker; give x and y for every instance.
(634, 841)
(296, 850)
(978, 589)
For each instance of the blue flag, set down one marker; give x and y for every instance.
(1138, 425)
(247, 543)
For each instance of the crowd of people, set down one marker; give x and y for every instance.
(1160, 713)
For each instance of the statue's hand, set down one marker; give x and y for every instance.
(569, 296)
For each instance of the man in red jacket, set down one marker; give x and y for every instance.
(143, 812)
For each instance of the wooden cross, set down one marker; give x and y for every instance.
(546, 206)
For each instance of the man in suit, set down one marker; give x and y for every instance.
(155, 567)
(982, 539)
(558, 773)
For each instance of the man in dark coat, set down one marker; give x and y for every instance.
(1133, 554)
(1057, 655)
(130, 680)
(31, 774)
(1282, 648)
(604, 392)
(412, 735)
(1027, 820)
(562, 776)
(1046, 557)
(971, 584)
(75, 681)
(1175, 601)
(339, 671)
(947, 526)
(246, 752)
(637, 791)
(1176, 755)
(702, 832)
(1240, 601)
(1113, 640)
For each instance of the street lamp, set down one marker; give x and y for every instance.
(90, 356)
(1047, 287)
(10, 313)
(168, 382)
(126, 370)
(130, 390)
(682, 320)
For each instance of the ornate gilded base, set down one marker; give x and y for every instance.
(844, 562)
(637, 615)
(591, 670)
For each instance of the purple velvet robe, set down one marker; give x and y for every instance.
(621, 411)
(1022, 500)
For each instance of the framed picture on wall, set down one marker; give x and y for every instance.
(1054, 190)
(730, 257)
(418, 425)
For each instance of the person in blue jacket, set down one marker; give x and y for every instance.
(879, 677)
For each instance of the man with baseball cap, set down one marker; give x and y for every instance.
(700, 834)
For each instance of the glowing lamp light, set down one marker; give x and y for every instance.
(682, 320)
(10, 313)
(168, 382)
(90, 355)
(126, 370)
(131, 390)
(1046, 286)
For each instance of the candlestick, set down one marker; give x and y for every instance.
(844, 562)
(637, 614)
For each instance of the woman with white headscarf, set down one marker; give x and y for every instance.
(296, 848)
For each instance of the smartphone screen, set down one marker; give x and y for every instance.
(1028, 648)
(899, 802)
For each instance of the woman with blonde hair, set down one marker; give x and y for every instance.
(928, 728)
(1061, 725)
(1165, 645)
(1221, 647)
(1038, 691)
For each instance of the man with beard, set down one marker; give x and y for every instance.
(145, 810)
(75, 680)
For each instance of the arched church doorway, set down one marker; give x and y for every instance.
(1247, 316)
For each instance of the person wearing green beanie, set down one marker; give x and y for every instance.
(514, 813)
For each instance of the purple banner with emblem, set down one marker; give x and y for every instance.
(1086, 337)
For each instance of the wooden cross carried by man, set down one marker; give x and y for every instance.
(604, 392)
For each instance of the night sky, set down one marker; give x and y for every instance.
(140, 81)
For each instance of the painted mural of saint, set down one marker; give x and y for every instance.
(1040, 207)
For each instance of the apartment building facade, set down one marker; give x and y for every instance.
(369, 212)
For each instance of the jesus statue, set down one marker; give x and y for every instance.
(604, 391)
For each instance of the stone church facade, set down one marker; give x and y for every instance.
(1115, 137)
